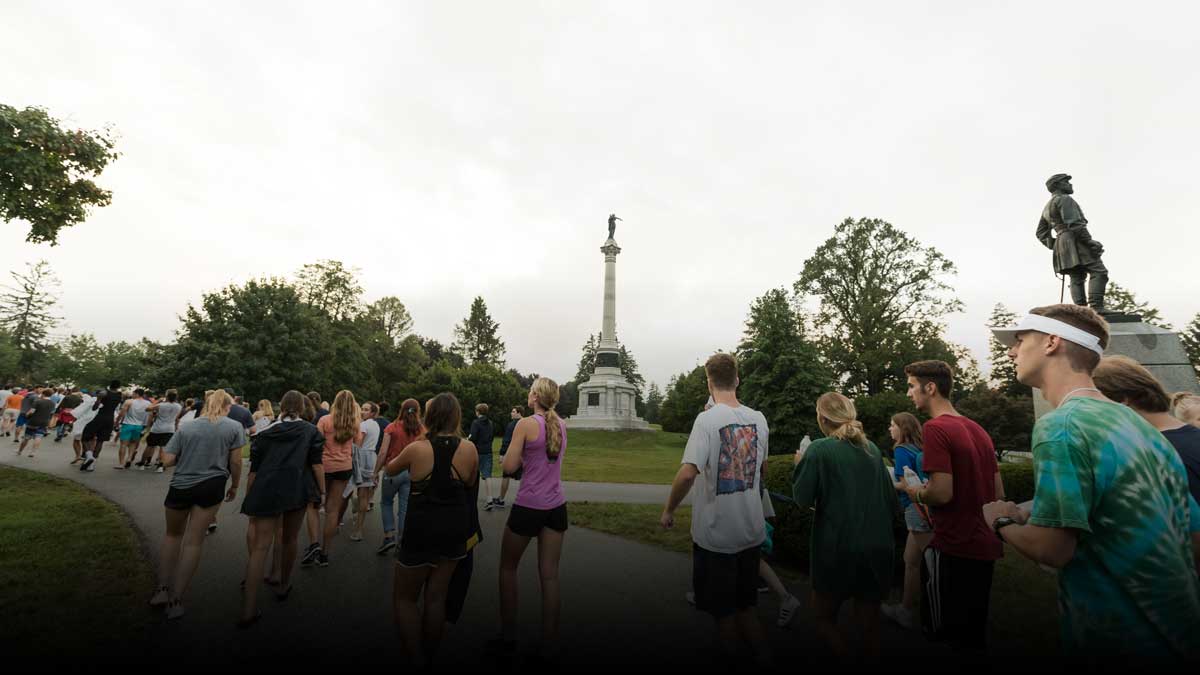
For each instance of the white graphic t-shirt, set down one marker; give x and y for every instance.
(728, 446)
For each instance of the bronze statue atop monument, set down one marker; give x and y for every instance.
(1063, 229)
(612, 224)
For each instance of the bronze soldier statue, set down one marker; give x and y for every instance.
(612, 224)
(1076, 254)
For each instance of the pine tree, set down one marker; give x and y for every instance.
(587, 360)
(26, 312)
(629, 368)
(477, 338)
(1121, 299)
(1190, 336)
(1004, 371)
(654, 398)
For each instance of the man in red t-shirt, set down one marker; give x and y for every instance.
(956, 570)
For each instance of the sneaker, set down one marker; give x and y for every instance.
(491, 504)
(159, 469)
(91, 468)
(388, 544)
(310, 555)
(88, 461)
(212, 528)
(902, 616)
(322, 559)
(500, 503)
(160, 598)
(690, 596)
(787, 611)
(174, 609)
(354, 536)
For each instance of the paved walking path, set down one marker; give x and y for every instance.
(622, 601)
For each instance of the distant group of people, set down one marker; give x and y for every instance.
(1117, 467)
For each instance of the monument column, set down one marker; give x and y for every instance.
(607, 352)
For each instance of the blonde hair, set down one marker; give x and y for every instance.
(1185, 406)
(545, 391)
(346, 416)
(216, 405)
(838, 418)
(1126, 381)
(265, 408)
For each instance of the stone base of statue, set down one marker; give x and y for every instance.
(1158, 349)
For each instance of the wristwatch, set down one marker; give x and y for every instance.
(1001, 522)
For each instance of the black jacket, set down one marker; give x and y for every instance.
(281, 459)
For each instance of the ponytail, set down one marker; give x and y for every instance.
(547, 392)
(838, 419)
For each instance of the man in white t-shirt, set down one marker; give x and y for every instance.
(725, 457)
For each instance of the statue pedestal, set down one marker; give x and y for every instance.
(1158, 349)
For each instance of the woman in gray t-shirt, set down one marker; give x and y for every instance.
(164, 416)
(205, 454)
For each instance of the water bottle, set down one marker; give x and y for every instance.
(911, 477)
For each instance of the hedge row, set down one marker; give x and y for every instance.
(793, 526)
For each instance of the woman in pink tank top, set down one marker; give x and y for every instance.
(539, 511)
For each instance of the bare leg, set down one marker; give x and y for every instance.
(752, 630)
(867, 615)
(550, 545)
(434, 624)
(913, 549)
(825, 613)
(360, 516)
(772, 579)
(193, 540)
(312, 519)
(405, 591)
(286, 543)
(333, 506)
(263, 530)
(277, 547)
(168, 553)
(503, 488)
(512, 547)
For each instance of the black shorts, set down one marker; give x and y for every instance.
(98, 429)
(337, 475)
(725, 583)
(955, 593)
(158, 440)
(205, 495)
(529, 522)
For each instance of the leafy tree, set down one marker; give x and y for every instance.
(878, 287)
(485, 383)
(782, 373)
(436, 351)
(390, 315)
(875, 412)
(1121, 299)
(526, 381)
(1004, 371)
(1007, 419)
(10, 357)
(568, 399)
(78, 360)
(478, 337)
(1190, 336)
(686, 395)
(46, 171)
(331, 287)
(654, 399)
(26, 312)
(259, 338)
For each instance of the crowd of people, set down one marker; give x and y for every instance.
(1117, 466)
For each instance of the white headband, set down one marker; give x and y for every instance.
(1044, 324)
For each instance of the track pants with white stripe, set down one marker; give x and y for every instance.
(955, 592)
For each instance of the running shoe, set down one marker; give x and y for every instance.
(160, 469)
(322, 559)
(212, 528)
(87, 463)
(310, 555)
(388, 544)
(787, 611)
(500, 503)
(491, 504)
(174, 609)
(901, 616)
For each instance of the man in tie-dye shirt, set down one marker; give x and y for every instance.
(1111, 509)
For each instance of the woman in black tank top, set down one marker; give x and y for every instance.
(436, 526)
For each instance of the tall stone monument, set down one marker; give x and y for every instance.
(606, 400)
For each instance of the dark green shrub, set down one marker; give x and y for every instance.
(1018, 481)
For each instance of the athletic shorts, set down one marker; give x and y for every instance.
(99, 429)
(11, 413)
(131, 432)
(338, 475)
(724, 583)
(159, 440)
(35, 432)
(955, 593)
(20, 420)
(485, 465)
(528, 522)
(915, 522)
(65, 417)
(205, 495)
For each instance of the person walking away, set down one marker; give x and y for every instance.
(242, 415)
(341, 428)
(724, 456)
(905, 430)
(65, 413)
(28, 397)
(1111, 507)
(285, 477)
(164, 419)
(38, 418)
(207, 456)
(514, 417)
(404, 431)
(131, 421)
(106, 406)
(957, 567)
(843, 476)
(83, 414)
(436, 527)
(481, 435)
(6, 421)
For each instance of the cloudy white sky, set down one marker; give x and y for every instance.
(454, 149)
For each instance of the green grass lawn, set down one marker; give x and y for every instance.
(622, 456)
(72, 572)
(1024, 610)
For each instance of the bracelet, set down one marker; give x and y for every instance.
(921, 497)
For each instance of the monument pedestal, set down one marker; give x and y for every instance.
(1158, 349)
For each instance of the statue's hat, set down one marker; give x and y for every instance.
(1055, 178)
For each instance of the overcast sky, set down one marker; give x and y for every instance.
(455, 149)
